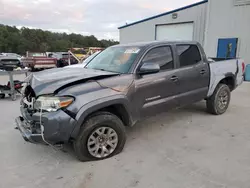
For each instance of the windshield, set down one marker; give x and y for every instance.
(115, 59)
(90, 57)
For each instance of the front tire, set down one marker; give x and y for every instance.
(102, 136)
(218, 103)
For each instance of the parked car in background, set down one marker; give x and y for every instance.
(14, 55)
(91, 106)
(39, 60)
(63, 59)
(9, 63)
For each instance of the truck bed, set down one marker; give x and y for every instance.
(39, 62)
(221, 68)
(215, 59)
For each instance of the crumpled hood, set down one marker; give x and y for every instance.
(50, 81)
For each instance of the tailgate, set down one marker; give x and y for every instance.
(40, 62)
(45, 61)
(241, 71)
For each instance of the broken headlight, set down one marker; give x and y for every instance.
(51, 103)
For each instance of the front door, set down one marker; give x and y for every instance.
(193, 74)
(155, 93)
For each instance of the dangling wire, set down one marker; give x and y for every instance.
(42, 132)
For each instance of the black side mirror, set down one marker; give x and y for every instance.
(149, 68)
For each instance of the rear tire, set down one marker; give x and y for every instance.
(102, 136)
(218, 103)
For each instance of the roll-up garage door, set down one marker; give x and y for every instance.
(175, 31)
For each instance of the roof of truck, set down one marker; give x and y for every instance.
(152, 43)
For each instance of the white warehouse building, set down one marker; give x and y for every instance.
(221, 26)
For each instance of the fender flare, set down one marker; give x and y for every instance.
(233, 76)
(216, 81)
(96, 105)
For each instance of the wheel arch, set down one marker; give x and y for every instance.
(229, 80)
(118, 105)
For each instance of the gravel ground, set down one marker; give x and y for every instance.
(185, 148)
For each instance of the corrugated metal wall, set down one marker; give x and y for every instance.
(225, 20)
(145, 31)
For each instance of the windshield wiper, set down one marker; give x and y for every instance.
(107, 71)
(101, 69)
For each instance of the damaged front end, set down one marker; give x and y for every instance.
(42, 121)
(30, 130)
(48, 112)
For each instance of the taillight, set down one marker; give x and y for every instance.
(243, 67)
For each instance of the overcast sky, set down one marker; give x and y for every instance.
(88, 17)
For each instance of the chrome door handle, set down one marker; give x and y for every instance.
(174, 78)
(202, 72)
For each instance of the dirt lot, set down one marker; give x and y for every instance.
(185, 148)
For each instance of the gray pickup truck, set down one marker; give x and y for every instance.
(91, 106)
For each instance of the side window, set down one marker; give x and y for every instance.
(188, 55)
(160, 55)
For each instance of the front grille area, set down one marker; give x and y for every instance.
(32, 127)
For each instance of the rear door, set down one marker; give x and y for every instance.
(193, 74)
(155, 93)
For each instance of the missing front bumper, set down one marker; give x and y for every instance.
(26, 133)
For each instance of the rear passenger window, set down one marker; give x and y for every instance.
(188, 55)
(160, 55)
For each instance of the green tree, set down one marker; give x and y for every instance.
(25, 39)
